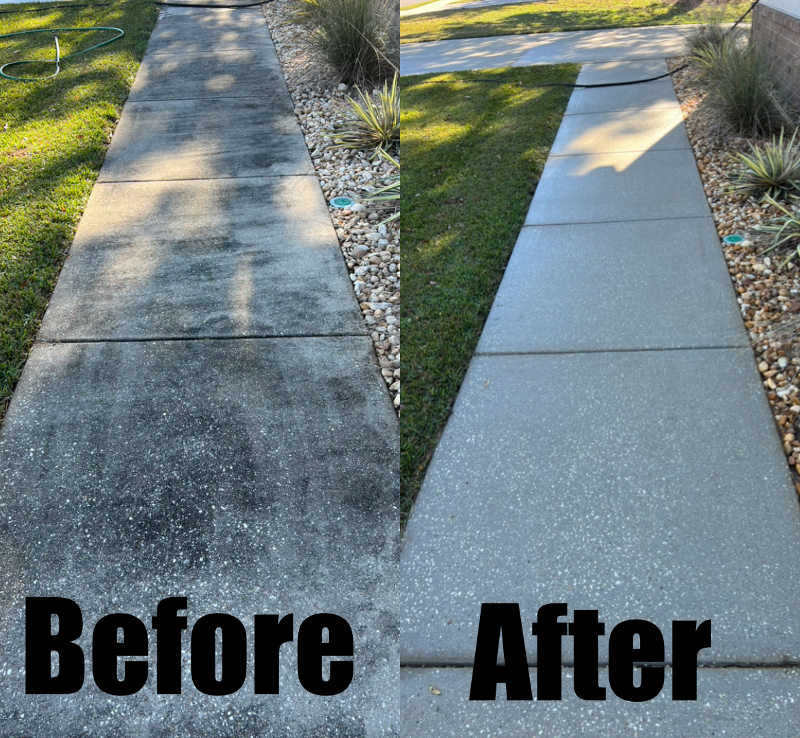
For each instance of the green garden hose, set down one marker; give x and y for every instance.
(57, 61)
(120, 33)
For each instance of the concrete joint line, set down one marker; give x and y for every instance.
(162, 339)
(601, 222)
(614, 112)
(199, 99)
(204, 179)
(612, 351)
(618, 151)
(608, 222)
(604, 665)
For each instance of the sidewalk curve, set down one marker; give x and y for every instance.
(616, 44)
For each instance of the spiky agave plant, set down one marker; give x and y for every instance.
(390, 189)
(374, 124)
(770, 170)
(785, 230)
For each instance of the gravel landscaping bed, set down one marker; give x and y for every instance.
(768, 296)
(371, 250)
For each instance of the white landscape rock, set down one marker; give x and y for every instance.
(371, 249)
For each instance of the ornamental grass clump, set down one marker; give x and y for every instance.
(771, 169)
(355, 37)
(374, 124)
(711, 34)
(741, 91)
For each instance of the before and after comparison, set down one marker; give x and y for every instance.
(219, 515)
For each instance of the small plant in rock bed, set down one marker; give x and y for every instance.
(785, 230)
(741, 91)
(390, 191)
(771, 169)
(373, 124)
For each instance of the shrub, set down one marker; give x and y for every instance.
(741, 92)
(770, 170)
(356, 37)
(374, 124)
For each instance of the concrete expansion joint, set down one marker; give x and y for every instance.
(605, 222)
(782, 665)
(298, 175)
(619, 151)
(632, 111)
(163, 339)
(198, 99)
(612, 351)
(612, 222)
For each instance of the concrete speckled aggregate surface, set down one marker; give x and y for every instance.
(601, 133)
(203, 258)
(610, 45)
(246, 72)
(250, 475)
(605, 480)
(655, 95)
(735, 703)
(618, 297)
(189, 32)
(619, 186)
(205, 139)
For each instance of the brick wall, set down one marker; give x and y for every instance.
(779, 34)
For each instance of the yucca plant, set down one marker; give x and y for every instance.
(785, 229)
(741, 92)
(374, 124)
(770, 170)
(390, 191)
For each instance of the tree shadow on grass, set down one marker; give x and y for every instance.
(457, 22)
(475, 149)
(50, 152)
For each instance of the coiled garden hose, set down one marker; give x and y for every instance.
(120, 33)
(575, 86)
(57, 61)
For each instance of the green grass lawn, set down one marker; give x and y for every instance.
(472, 154)
(558, 15)
(419, 5)
(53, 137)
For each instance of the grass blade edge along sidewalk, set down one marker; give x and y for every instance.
(475, 149)
(53, 138)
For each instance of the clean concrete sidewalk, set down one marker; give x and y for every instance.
(616, 44)
(202, 414)
(611, 448)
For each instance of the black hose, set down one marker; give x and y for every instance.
(134, 2)
(604, 84)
